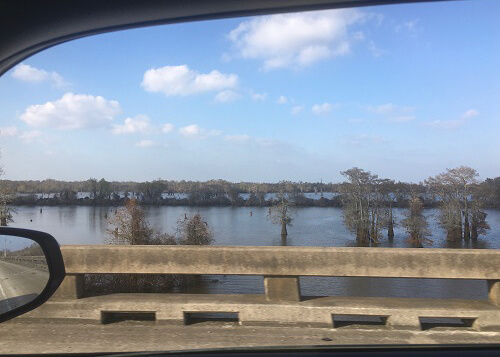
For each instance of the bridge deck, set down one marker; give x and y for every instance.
(53, 337)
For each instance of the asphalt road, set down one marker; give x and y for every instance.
(19, 284)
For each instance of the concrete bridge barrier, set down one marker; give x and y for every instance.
(281, 267)
(37, 261)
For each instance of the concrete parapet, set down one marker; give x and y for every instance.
(494, 291)
(400, 313)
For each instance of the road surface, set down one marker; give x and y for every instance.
(57, 337)
(19, 284)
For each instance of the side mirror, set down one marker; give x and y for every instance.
(31, 270)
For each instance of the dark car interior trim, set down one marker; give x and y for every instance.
(30, 26)
(55, 265)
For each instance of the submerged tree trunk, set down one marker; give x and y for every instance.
(283, 229)
(390, 227)
(474, 228)
(3, 221)
(459, 227)
(466, 226)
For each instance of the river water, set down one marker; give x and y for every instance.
(241, 226)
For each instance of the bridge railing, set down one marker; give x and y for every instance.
(38, 261)
(281, 267)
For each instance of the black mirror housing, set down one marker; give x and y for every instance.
(54, 265)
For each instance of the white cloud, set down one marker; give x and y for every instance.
(359, 35)
(393, 113)
(194, 130)
(375, 51)
(190, 130)
(167, 128)
(297, 109)
(411, 26)
(72, 111)
(8, 131)
(282, 99)
(181, 80)
(144, 143)
(27, 73)
(321, 108)
(454, 123)
(139, 124)
(402, 118)
(259, 96)
(470, 113)
(365, 139)
(387, 108)
(447, 124)
(226, 96)
(295, 40)
(30, 136)
(237, 138)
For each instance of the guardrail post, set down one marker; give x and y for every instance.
(494, 291)
(72, 287)
(282, 288)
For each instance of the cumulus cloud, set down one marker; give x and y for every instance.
(321, 108)
(296, 40)
(194, 130)
(72, 111)
(375, 50)
(226, 96)
(387, 108)
(182, 81)
(190, 130)
(409, 26)
(447, 124)
(402, 118)
(259, 96)
(365, 139)
(144, 143)
(139, 124)
(237, 138)
(30, 136)
(393, 113)
(297, 109)
(282, 99)
(167, 128)
(470, 113)
(27, 73)
(454, 123)
(8, 131)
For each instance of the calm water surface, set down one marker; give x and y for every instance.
(240, 226)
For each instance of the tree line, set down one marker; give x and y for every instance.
(224, 193)
(368, 203)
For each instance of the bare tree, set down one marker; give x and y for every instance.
(364, 196)
(194, 231)
(92, 187)
(130, 226)
(282, 212)
(457, 190)
(6, 197)
(415, 223)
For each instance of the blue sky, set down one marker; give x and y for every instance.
(405, 91)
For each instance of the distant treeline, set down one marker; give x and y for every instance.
(216, 193)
